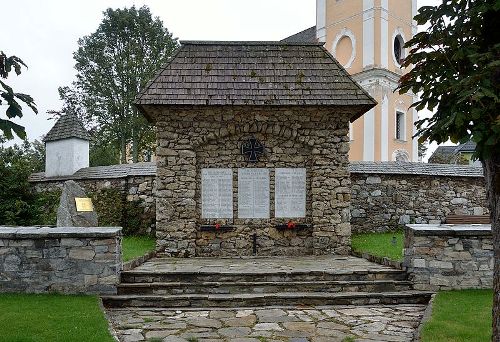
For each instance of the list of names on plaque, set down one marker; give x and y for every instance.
(290, 192)
(216, 193)
(253, 193)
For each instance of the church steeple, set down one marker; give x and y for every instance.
(367, 38)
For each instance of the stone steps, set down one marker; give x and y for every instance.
(140, 276)
(267, 299)
(176, 288)
(268, 281)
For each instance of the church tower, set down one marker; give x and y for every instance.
(367, 38)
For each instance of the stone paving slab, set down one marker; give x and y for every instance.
(270, 324)
(327, 263)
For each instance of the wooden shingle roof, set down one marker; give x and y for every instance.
(256, 74)
(307, 35)
(68, 126)
(394, 168)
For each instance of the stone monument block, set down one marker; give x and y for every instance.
(68, 215)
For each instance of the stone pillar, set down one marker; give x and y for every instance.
(330, 191)
(176, 187)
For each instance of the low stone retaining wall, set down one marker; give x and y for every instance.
(65, 260)
(445, 257)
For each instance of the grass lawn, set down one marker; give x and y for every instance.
(380, 244)
(29, 317)
(460, 316)
(136, 246)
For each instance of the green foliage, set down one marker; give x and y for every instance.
(108, 204)
(440, 158)
(136, 246)
(19, 204)
(348, 339)
(46, 204)
(380, 244)
(114, 210)
(423, 146)
(113, 64)
(11, 99)
(103, 155)
(456, 72)
(460, 316)
(135, 221)
(57, 318)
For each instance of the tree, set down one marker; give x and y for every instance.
(456, 70)
(423, 146)
(11, 98)
(19, 205)
(113, 64)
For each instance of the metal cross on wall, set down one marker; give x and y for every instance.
(252, 149)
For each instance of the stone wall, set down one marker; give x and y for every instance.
(445, 257)
(65, 260)
(385, 197)
(382, 202)
(195, 138)
(126, 201)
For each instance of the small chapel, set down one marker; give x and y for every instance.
(253, 149)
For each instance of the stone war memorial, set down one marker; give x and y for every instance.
(252, 153)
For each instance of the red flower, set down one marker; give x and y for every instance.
(290, 225)
(217, 226)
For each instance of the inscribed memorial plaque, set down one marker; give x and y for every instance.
(84, 204)
(253, 193)
(290, 192)
(216, 193)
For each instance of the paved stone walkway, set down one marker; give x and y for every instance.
(321, 263)
(336, 323)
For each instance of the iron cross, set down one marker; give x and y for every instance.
(252, 149)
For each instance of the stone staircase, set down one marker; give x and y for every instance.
(254, 282)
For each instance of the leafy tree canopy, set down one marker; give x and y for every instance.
(19, 205)
(456, 70)
(11, 99)
(113, 64)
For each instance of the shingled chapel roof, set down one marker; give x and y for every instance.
(68, 126)
(255, 74)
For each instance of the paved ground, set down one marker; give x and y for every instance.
(337, 323)
(326, 263)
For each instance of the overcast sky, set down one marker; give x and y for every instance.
(44, 35)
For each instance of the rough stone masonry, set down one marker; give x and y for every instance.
(295, 100)
(63, 259)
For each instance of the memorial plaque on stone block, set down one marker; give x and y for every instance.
(290, 192)
(84, 204)
(216, 193)
(253, 193)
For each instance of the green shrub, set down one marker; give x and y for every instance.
(108, 203)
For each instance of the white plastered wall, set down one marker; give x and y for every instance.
(66, 156)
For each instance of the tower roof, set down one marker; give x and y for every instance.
(307, 35)
(209, 73)
(68, 126)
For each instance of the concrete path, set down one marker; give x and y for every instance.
(336, 323)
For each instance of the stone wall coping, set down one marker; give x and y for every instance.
(10, 232)
(416, 169)
(148, 169)
(450, 229)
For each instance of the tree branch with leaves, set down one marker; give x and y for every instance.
(12, 99)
